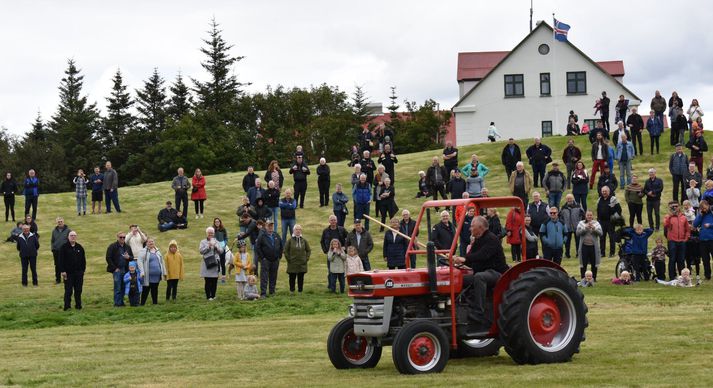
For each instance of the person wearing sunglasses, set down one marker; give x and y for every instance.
(552, 233)
(118, 256)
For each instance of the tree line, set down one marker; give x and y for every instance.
(214, 125)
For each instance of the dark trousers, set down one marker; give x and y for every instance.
(300, 277)
(118, 278)
(538, 173)
(366, 264)
(605, 121)
(112, 197)
(589, 258)
(508, 171)
(655, 140)
(268, 276)
(338, 277)
(436, 189)
(31, 202)
(677, 261)
(449, 169)
(396, 266)
(706, 248)
(211, 287)
(635, 210)
(660, 268)
(300, 191)
(516, 250)
(641, 264)
(698, 160)
(323, 192)
(693, 256)
(57, 274)
(151, 288)
(481, 282)
(10, 207)
(31, 262)
(73, 285)
(341, 217)
(222, 263)
(198, 205)
(181, 196)
(608, 231)
(636, 139)
(171, 289)
(678, 181)
(582, 200)
(652, 208)
(134, 297)
(359, 210)
(568, 243)
(552, 254)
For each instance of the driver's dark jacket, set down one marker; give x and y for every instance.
(486, 253)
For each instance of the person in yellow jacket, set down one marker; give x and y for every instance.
(243, 266)
(174, 269)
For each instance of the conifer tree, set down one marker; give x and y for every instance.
(152, 103)
(118, 119)
(181, 99)
(359, 106)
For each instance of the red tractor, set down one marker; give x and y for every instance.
(537, 312)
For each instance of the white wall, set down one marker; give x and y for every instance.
(521, 117)
(465, 86)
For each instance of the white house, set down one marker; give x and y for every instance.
(530, 90)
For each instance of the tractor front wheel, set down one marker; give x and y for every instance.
(347, 350)
(420, 347)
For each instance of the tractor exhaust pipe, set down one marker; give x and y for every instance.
(431, 262)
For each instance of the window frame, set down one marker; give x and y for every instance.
(542, 128)
(549, 85)
(576, 80)
(514, 83)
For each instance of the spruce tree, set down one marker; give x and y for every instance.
(152, 103)
(181, 99)
(359, 106)
(118, 119)
(39, 130)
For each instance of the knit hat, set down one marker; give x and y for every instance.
(132, 264)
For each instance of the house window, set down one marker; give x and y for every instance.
(592, 123)
(546, 128)
(545, 84)
(514, 85)
(576, 82)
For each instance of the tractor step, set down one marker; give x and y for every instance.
(476, 334)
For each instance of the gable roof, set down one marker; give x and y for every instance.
(476, 64)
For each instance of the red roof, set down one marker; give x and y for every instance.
(476, 65)
(386, 118)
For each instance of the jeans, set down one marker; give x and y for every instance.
(82, 204)
(570, 169)
(31, 201)
(538, 173)
(331, 285)
(636, 139)
(341, 217)
(275, 212)
(181, 196)
(287, 223)
(652, 206)
(655, 140)
(607, 230)
(118, 287)
(635, 210)
(359, 210)
(10, 207)
(624, 172)
(57, 274)
(268, 276)
(112, 196)
(31, 262)
(677, 254)
(334, 277)
(568, 243)
(171, 289)
(365, 262)
(300, 277)
(582, 200)
(554, 198)
(73, 285)
(166, 226)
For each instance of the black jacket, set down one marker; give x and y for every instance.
(265, 250)
(608, 181)
(655, 187)
(323, 173)
(271, 198)
(700, 142)
(538, 214)
(268, 177)
(166, 215)
(368, 168)
(114, 258)
(593, 134)
(604, 211)
(571, 155)
(510, 160)
(328, 234)
(605, 151)
(251, 231)
(395, 247)
(262, 212)
(389, 161)
(72, 258)
(635, 122)
(8, 187)
(615, 136)
(366, 243)
(540, 155)
(456, 187)
(442, 235)
(299, 171)
(28, 245)
(249, 181)
(486, 253)
(431, 176)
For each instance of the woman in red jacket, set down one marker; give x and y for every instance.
(198, 195)
(513, 230)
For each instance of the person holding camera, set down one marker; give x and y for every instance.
(677, 231)
(136, 238)
(608, 215)
(80, 186)
(210, 250)
(180, 185)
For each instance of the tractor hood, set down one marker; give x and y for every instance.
(382, 283)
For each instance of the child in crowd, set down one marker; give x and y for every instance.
(423, 189)
(250, 292)
(16, 231)
(624, 279)
(337, 261)
(689, 211)
(684, 280)
(588, 280)
(132, 280)
(658, 257)
(693, 194)
(174, 269)
(354, 264)
(243, 265)
(639, 238)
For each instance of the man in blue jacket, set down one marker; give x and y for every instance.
(624, 155)
(552, 233)
(678, 167)
(362, 199)
(27, 246)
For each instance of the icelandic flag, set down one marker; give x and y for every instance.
(561, 30)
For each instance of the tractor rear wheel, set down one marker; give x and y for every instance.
(542, 317)
(478, 348)
(347, 350)
(420, 347)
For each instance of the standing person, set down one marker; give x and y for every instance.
(28, 245)
(80, 188)
(136, 238)
(299, 172)
(407, 226)
(255, 192)
(337, 259)
(153, 268)
(580, 184)
(598, 128)
(531, 237)
(210, 250)
(118, 256)
(464, 238)
(97, 180)
(268, 250)
(678, 231)
(625, 156)
(571, 214)
(198, 194)
(677, 167)
(59, 238)
(443, 233)
(655, 127)
(72, 265)
(362, 199)
(180, 186)
(697, 144)
(622, 106)
(607, 179)
(633, 195)
(552, 233)
(456, 185)
(510, 156)
(570, 156)
(607, 206)
(9, 188)
(339, 205)
(554, 184)
(476, 165)
(388, 160)
(221, 234)
(32, 192)
(692, 174)
(366, 164)
(174, 269)
(620, 133)
(272, 200)
(600, 154)
(395, 246)
(333, 231)
(436, 179)
(604, 111)
(288, 205)
(653, 189)
(514, 223)
(520, 183)
(658, 105)
(297, 253)
(323, 182)
(679, 126)
(110, 185)
(675, 100)
(636, 126)
(704, 222)
(249, 179)
(694, 112)
(537, 211)
(450, 158)
(387, 205)
(360, 238)
(539, 155)
(589, 234)
(274, 174)
(493, 132)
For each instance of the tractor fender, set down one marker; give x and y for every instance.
(508, 277)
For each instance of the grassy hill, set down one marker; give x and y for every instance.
(193, 341)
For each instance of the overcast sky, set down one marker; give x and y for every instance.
(412, 45)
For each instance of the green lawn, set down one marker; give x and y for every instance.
(640, 335)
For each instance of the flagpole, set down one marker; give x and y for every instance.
(556, 76)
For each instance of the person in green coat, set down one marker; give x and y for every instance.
(297, 252)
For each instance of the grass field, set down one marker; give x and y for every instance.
(645, 334)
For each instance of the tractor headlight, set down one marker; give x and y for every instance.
(375, 311)
(352, 311)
